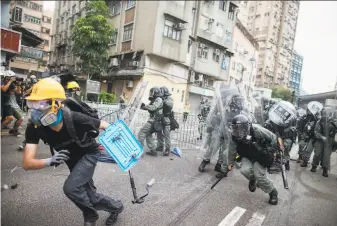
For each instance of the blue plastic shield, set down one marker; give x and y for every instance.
(122, 145)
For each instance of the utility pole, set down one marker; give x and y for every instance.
(194, 46)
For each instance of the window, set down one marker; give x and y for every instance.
(257, 16)
(236, 46)
(35, 6)
(114, 37)
(210, 82)
(171, 31)
(233, 65)
(46, 42)
(216, 55)
(46, 19)
(62, 19)
(23, 3)
(231, 11)
(130, 4)
(266, 14)
(222, 5)
(115, 7)
(127, 35)
(202, 51)
(74, 9)
(32, 19)
(17, 15)
(182, 95)
(219, 29)
(228, 37)
(45, 30)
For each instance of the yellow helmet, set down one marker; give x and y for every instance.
(47, 88)
(72, 85)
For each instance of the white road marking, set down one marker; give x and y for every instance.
(233, 217)
(256, 220)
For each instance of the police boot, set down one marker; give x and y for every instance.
(325, 172)
(113, 217)
(203, 165)
(252, 185)
(313, 168)
(304, 164)
(217, 167)
(221, 174)
(166, 152)
(152, 152)
(273, 199)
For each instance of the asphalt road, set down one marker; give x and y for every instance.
(180, 196)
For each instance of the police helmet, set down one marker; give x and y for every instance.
(240, 126)
(165, 91)
(155, 92)
(237, 101)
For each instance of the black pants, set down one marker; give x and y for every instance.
(185, 116)
(80, 189)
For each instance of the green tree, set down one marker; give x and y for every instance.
(91, 36)
(107, 97)
(281, 92)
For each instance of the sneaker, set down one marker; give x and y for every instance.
(15, 133)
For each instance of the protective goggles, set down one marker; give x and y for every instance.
(39, 104)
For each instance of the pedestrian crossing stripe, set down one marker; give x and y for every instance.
(234, 216)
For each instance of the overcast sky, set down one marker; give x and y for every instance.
(316, 40)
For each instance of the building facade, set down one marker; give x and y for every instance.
(295, 79)
(184, 45)
(10, 39)
(243, 65)
(273, 25)
(29, 16)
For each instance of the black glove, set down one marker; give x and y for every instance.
(142, 106)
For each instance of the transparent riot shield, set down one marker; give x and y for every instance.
(216, 121)
(258, 109)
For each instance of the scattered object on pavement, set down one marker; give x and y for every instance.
(176, 151)
(14, 186)
(5, 186)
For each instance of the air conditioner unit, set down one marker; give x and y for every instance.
(114, 62)
(135, 63)
(181, 26)
(217, 51)
(210, 20)
(201, 45)
(129, 84)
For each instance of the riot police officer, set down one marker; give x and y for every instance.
(167, 111)
(325, 131)
(282, 122)
(154, 123)
(257, 146)
(305, 127)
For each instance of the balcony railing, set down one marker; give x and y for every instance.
(31, 52)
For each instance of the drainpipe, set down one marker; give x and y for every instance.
(195, 26)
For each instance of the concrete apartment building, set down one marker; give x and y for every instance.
(295, 79)
(273, 25)
(184, 45)
(243, 65)
(29, 16)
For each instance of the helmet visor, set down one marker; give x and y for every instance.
(240, 130)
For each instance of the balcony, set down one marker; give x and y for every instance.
(30, 52)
